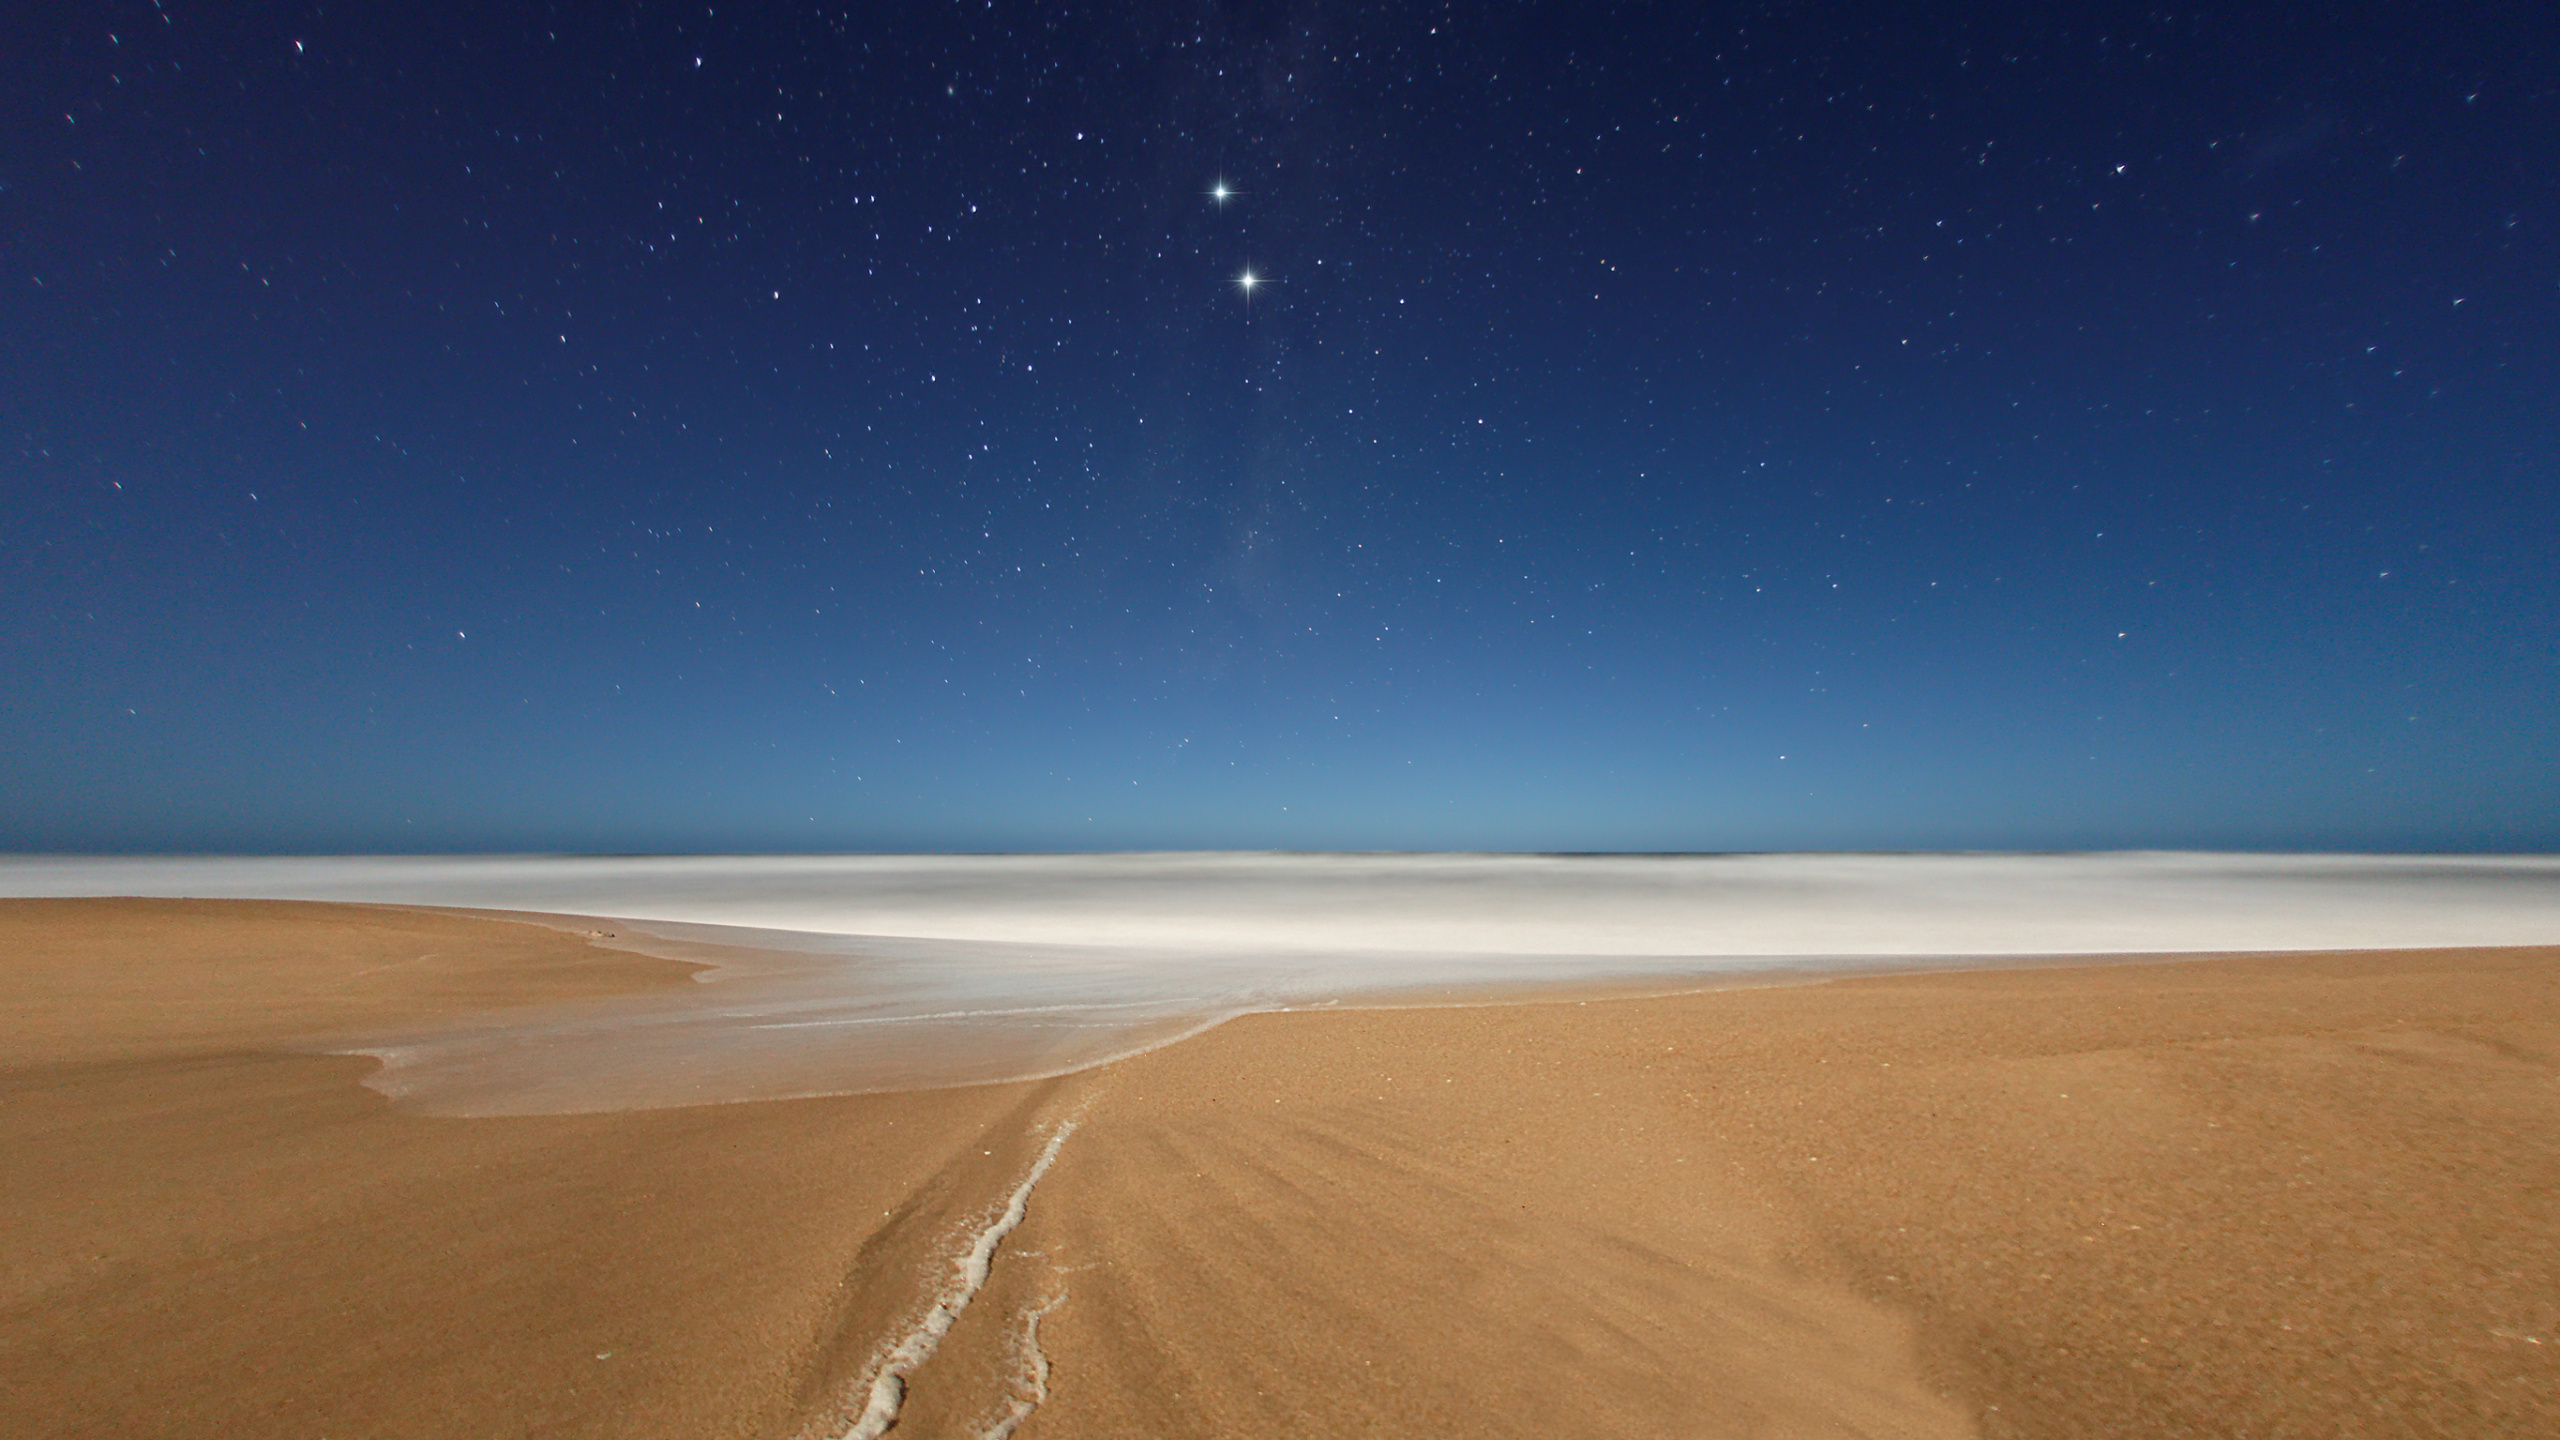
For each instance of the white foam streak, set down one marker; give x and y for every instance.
(1034, 1381)
(889, 1382)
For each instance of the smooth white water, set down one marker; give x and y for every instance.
(847, 973)
(1512, 904)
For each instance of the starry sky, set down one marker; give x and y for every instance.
(639, 428)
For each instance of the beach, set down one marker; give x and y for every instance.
(2310, 1193)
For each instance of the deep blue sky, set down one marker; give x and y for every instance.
(773, 427)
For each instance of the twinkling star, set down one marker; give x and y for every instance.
(1221, 192)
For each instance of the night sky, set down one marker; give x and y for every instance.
(760, 427)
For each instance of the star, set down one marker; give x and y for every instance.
(1247, 280)
(1221, 192)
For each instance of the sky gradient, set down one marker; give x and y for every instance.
(746, 428)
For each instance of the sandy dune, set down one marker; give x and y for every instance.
(2301, 1195)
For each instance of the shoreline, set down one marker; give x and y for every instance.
(788, 973)
(879, 1027)
(2287, 1193)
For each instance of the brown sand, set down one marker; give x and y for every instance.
(2274, 1196)
(2309, 1195)
(204, 1234)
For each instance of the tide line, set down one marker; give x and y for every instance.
(889, 1386)
(1175, 1005)
(1033, 1384)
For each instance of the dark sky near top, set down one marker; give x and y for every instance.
(747, 427)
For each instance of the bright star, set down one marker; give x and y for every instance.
(1248, 280)
(1221, 192)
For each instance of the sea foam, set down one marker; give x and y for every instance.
(835, 974)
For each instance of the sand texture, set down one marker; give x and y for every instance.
(210, 1235)
(2301, 1195)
